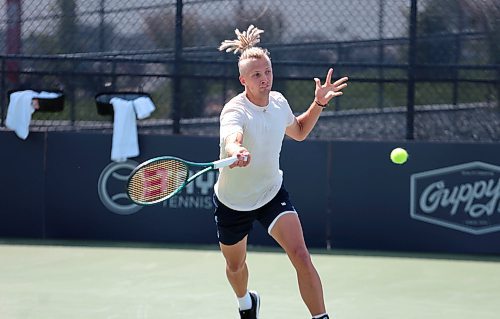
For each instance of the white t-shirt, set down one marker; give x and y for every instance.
(263, 129)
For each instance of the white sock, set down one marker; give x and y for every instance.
(320, 316)
(245, 302)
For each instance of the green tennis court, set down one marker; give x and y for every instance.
(45, 281)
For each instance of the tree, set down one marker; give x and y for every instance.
(436, 24)
(440, 27)
(68, 27)
(485, 15)
(201, 35)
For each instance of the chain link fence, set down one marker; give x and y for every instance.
(425, 70)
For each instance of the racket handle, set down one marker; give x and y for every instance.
(226, 161)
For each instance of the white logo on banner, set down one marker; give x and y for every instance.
(113, 179)
(463, 197)
(111, 188)
(197, 194)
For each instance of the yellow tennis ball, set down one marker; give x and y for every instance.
(399, 155)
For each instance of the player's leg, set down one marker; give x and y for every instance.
(232, 230)
(237, 275)
(287, 231)
(236, 267)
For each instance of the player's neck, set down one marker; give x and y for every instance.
(258, 99)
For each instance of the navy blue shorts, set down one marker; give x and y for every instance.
(233, 225)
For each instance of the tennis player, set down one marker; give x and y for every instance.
(252, 126)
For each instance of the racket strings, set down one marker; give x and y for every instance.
(157, 180)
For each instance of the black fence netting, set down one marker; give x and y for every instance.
(425, 70)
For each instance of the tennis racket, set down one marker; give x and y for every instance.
(160, 178)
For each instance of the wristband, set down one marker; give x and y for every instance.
(322, 105)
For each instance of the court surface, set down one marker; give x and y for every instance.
(53, 281)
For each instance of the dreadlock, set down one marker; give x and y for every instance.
(245, 44)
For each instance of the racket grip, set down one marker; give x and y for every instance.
(226, 161)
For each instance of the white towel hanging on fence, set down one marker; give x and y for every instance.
(21, 109)
(125, 141)
(143, 107)
(19, 112)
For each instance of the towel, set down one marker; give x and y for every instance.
(143, 107)
(47, 95)
(19, 112)
(125, 142)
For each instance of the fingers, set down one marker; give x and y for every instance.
(341, 81)
(330, 95)
(243, 162)
(340, 87)
(324, 93)
(318, 82)
(328, 80)
(243, 159)
(329, 76)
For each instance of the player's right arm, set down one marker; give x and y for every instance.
(232, 126)
(234, 146)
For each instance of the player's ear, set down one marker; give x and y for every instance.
(242, 80)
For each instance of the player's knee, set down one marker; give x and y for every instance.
(301, 257)
(235, 266)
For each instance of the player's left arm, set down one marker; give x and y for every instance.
(304, 123)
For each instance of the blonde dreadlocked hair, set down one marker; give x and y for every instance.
(245, 44)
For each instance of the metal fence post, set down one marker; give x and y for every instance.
(410, 94)
(329, 183)
(2, 95)
(458, 52)
(381, 58)
(340, 55)
(498, 86)
(177, 84)
(102, 25)
(102, 41)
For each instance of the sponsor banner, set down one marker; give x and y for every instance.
(349, 195)
(444, 199)
(96, 206)
(463, 197)
(22, 185)
(92, 204)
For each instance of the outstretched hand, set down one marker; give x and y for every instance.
(325, 92)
